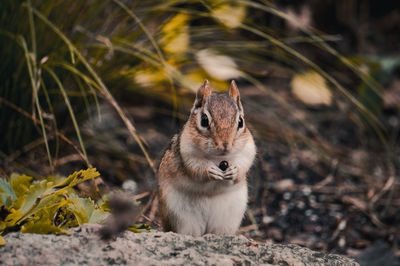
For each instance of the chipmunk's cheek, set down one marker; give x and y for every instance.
(208, 147)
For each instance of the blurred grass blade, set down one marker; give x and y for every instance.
(35, 89)
(50, 105)
(139, 22)
(32, 30)
(55, 29)
(71, 112)
(375, 123)
(104, 90)
(84, 95)
(88, 81)
(365, 77)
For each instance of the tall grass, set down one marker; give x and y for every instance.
(62, 57)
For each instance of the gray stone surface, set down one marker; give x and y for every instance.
(85, 248)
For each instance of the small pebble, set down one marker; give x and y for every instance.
(287, 196)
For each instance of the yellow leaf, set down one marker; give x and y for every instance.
(13, 217)
(2, 241)
(41, 221)
(20, 184)
(229, 15)
(218, 66)
(176, 34)
(43, 226)
(2, 226)
(149, 77)
(78, 177)
(84, 175)
(311, 88)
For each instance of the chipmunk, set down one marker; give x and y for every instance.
(202, 175)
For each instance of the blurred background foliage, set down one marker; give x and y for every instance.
(107, 83)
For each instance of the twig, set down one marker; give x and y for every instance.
(141, 195)
(148, 204)
(388, 185)
(154, 208)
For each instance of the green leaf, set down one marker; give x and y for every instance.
(42, 216)
(7, 191)
(53, 202)
(50, 205)
(26, 203)
(34, 194)
(86, 211)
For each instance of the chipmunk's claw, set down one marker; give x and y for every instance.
(215, 173)
(231, 173)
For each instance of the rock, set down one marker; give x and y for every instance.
(84, 247)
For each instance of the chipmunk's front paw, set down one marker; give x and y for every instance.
(231, 173)
(215, 173)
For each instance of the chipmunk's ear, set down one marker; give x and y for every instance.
(202, 94)
(234, 93)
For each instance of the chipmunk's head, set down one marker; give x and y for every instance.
(218, 120)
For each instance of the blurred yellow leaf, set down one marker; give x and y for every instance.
(218, 66)
(149, 77)
(194, 79)
(311, 88)
(2, 241)
(229, 15)
(176, 35)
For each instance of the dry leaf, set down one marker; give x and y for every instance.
(311, 88)
(230, 16)
(218, 66)
(176, 34)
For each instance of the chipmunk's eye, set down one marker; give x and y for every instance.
(240, 124)
(204, 121)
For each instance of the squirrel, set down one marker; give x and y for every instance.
(202, 174)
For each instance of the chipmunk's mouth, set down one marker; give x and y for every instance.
(222, 155)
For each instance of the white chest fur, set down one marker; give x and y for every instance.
(199, 214)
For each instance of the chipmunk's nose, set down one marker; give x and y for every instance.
(226, 146)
